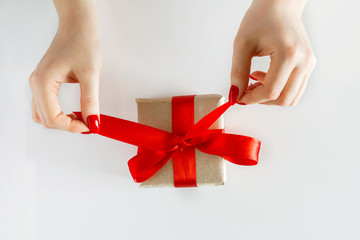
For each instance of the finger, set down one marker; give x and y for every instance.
(290, 90)
(241, 64)
(258, 76)
(253, 86)
(301, 90)
(53, 116)
(312, 64)
(89, 85)
(274, 82)
(39, 112)
(35, 115)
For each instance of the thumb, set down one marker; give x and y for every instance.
(240, 69)
(89, 85)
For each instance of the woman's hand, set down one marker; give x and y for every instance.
(273, 27)
(73, 57)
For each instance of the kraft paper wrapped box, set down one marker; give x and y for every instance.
(157, 112)
(173, 136)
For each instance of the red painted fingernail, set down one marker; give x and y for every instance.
(253, 78)
(233, 94)
(88, 132)
(93, 123)
(242, 103)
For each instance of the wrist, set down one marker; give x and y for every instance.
(77, 16)
(295, 7)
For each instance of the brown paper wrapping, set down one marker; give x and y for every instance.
(156, 112)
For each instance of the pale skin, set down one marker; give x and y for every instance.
(74, 56)
(274, 28)
(270, 27)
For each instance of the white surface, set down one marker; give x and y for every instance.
(55, 185)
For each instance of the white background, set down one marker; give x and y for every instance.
(56, 185)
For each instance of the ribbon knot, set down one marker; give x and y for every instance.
(184, 144)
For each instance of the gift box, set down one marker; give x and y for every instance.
(181, 140)
(158, 113)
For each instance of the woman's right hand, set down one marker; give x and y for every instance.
(74, 56)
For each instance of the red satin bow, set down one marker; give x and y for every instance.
(156, 147)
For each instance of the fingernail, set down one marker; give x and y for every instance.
(242, 104)
(233, 94)
(93, 123)
(88, 132)
(253, 78)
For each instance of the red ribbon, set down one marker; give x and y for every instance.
(157, 147)
(184, 165)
